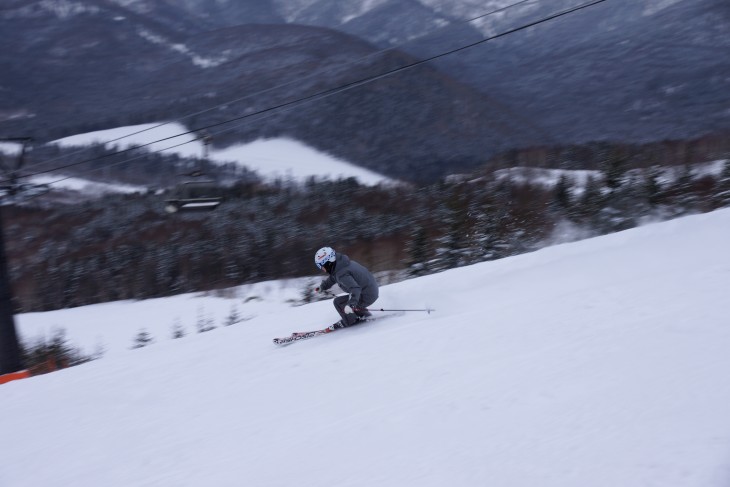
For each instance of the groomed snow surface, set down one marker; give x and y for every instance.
(604, 362)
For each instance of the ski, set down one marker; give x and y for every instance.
(294, 337)
(305, 335)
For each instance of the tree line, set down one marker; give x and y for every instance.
(126, 246)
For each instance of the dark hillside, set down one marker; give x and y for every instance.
(418, 124)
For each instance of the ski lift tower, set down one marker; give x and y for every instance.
(10, 356)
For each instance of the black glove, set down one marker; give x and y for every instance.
(360, 311)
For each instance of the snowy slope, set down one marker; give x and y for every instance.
(597, 363)
(271, 158)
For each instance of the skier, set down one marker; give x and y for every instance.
(352, 278)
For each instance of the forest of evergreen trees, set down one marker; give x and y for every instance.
(128, 247)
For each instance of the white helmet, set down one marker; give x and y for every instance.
(324, 255)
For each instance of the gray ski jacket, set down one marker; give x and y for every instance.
(354, 279)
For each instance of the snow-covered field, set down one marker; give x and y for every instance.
(271, 158)
(598, 363)
(85, 186)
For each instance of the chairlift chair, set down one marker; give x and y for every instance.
(194, 196)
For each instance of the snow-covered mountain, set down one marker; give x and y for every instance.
(602, 362)
(620, 70)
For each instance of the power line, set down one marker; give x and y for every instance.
(336, 90)
(309, 76)
(331, 68)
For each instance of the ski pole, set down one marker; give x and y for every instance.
(427, 310)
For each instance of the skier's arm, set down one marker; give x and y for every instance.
(327, 283)
(349, 283)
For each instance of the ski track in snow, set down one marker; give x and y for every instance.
(597, 363)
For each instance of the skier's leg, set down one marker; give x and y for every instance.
(340, 302)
